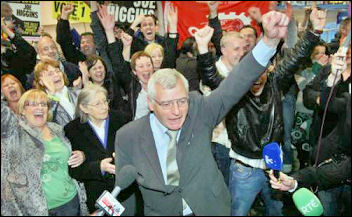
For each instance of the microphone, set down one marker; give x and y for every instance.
(107, 202)
(307, 203)
(272, 155)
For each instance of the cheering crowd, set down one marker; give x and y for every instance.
(193, 122)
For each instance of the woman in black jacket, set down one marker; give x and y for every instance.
(94, 134)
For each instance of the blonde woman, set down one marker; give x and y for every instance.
(34, 172)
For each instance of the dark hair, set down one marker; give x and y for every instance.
(152, 16)
(86, 34)
(320, 44)
(251, 27)
(345, 22)
(188, 45)
(92, 60)
(122, 26)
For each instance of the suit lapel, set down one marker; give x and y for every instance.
(90, 135)
(147, 143)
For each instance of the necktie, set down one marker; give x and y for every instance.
(173, 175)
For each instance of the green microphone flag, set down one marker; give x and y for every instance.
(307, 203)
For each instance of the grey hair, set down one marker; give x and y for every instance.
(228, 36)
(167, 78)
(85, 96)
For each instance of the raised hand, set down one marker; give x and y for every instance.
(318, 19)
(106, 19)
(203, 37)
(172, 18)
(275, 27)
(85, 73)
(67, 10)
(213, 9)
(338, 63)
(137, 21)
(48, 83)
(126, 39)
(289, 10)
(255, 14)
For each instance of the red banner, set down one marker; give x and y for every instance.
(193, 15)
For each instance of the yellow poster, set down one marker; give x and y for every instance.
(81, 12)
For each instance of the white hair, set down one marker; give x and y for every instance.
(167, 78)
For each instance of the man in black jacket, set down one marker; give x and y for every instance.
(257, 120)
(64, 38)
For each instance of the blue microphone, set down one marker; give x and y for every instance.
(273, 157)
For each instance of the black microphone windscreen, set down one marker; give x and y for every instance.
(126, 176)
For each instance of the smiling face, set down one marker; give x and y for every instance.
(233, 50)
(47, 47)
(55, 75)
(157, 57)
(148, 28)
(144, 69)
(87, 45)
(249, 36)
(11, 90)
(258, 86)
(33, 106)
(97, 108)
(97, 73)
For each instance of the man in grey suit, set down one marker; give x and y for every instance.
(170, 147)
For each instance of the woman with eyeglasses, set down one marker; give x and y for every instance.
(34, 171)
(93, 132)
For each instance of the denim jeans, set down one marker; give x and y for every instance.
(245, 184)
(334, 200)
(71, 208)
(222, 159)
(288, 109)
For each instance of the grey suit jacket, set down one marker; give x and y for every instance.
(201, 183)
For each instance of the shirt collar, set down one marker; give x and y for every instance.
(157, 125)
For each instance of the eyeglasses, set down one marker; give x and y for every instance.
(167, 105)
(99, 104)
(36, 104)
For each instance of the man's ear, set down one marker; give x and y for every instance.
(150, 104)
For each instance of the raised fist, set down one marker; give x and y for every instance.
(275, 27)
(203, 37)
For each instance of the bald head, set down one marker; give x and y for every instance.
(47, 47)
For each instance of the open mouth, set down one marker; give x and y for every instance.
(149, 33)
(146, 76)
(39, 115)
(13, 93)
(99, 75)
(57, 82)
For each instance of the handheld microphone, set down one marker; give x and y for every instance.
(107, 202)
(307, 203)
(272, 155)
